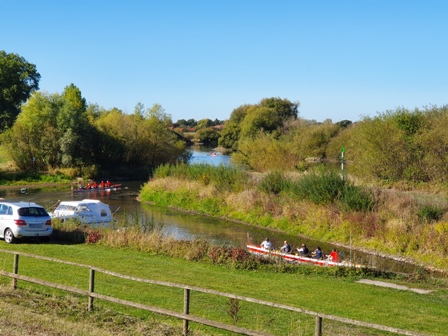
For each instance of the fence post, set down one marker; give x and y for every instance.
(186, 309)
(91, 288)
(15, 270)
(318, 327)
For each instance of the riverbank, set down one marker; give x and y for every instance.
(40, 185)
(392, 228)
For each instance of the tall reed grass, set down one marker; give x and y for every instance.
(224, 178)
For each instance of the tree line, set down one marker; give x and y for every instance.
(61, 131)
(396, 145)
(50, 131)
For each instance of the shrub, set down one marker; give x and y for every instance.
(356, 199)
(319, 188)
(430, 213)
(274, 183)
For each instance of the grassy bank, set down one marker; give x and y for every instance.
(330, 294)
(317, 205)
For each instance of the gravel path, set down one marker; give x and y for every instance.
(391, 285)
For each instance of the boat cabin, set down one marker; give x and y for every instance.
(87, 211)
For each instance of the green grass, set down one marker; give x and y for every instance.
(330, 295)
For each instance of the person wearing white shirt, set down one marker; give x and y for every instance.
(266, 244)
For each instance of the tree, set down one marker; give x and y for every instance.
(208, 136)
(18, 80)
(203, 123)
(313, 140)
(34, 134)
(230, 136)
(284, 108)
(238, 114)
(76, 137)
(260, 118)
(139, 109)
(344, 123)
(158, 112)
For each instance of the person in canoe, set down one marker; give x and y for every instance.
(266, 244)
(286, 248)
(303, 251)
(333, 256)
(317, 254)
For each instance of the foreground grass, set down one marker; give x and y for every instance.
(47, 314)
(331, 295)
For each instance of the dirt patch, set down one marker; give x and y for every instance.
(395, 286)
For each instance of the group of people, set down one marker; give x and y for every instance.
(303, 251)
(95, 185)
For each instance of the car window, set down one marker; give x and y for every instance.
(83, 208)
(32, 211)
(3, 209)
(66, 207)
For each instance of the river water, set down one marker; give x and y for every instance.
(189, 226)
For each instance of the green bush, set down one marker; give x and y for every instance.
(320, 188)
(274, 183)
(356, 199)
(430, 213)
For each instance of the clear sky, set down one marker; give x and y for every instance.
(200, 59)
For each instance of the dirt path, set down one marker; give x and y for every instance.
(395, 286)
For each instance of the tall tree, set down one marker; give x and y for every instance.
(204, 123)
(283, 107)
(18, 79)
(230, 135)
(260, 118)
(75, 130)
(33, 139)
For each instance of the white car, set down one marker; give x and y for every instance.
(24, 219)
(87, 211)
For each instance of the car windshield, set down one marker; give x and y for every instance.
(32, 211)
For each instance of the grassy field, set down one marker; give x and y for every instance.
(344, 297)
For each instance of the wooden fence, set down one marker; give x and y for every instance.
(185, 316)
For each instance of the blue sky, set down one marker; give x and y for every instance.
(203, 58)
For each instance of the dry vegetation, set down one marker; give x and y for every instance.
(405, 224)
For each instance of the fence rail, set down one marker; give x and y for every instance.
(185, 316)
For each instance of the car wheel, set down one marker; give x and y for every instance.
(9, 236)
(45, 239)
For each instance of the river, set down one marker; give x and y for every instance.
(189, 226)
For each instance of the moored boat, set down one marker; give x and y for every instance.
(87, 211)
(294, 258)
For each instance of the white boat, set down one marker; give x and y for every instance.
(87, 211)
